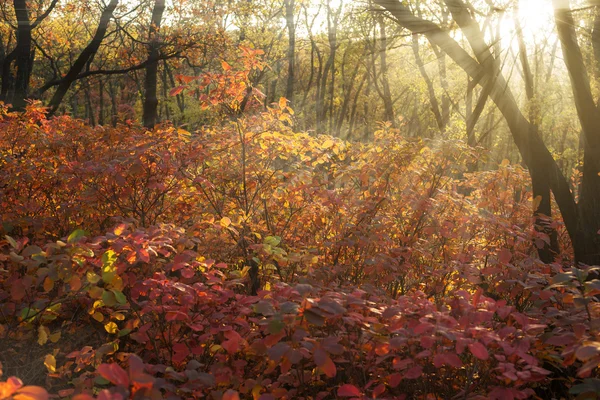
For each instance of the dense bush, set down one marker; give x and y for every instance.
(249, 261)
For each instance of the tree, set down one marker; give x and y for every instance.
(150, 114)
(582, 218)
(22, 55)
(84, 58)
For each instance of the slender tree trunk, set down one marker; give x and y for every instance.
(355, 105)
(291, 51)
(88, 104)
(435, 105)
(385, 82)
(113, 103)
(165, 92)
(101, 101)
(151, 79)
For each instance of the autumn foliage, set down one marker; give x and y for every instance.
(381, 270)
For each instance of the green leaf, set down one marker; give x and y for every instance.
(92, 277)
(76, 236)
(12, 241)
(275, 326)
(119, 296)
(124, 332)
(108, 298)
(273, 241)
(264, 307)
(109, 269)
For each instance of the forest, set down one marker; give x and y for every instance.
(299, 199)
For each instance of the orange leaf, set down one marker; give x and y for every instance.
(226, 67)
(231, 395)
(176, 91)
(31, 393)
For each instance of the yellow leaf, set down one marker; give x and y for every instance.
(120, 229)
(50, 363)
(245, 271)
(43, 335)
(111, 327)
(118, 316)
(327, 144)
(55, 337)
(225, 222)
(184, 135)
(505, 163)
(282, 102)
(98, 316)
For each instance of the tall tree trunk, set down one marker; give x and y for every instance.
(586, 241)
(151, 80)
(113, 104)
(100, 102)
(433, 101)
(385, 82)
(291, 51)
(23, 54)
(88, 103)
(541, 189)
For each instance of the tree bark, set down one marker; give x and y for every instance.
(385, 82)
(291, 51)
(586, 241)
(541, 190)
(23, 54)
(151, 79)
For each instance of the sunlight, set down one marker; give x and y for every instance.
(535, 17)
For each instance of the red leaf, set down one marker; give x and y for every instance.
(232, 345)
(479, 351)
(379, 389)
(394, 380)
(114, 374)
(17, 290)
(143, 255)
(348, 390)
(320, 356)
(450, 359)
(414, 372)
(504, 256)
